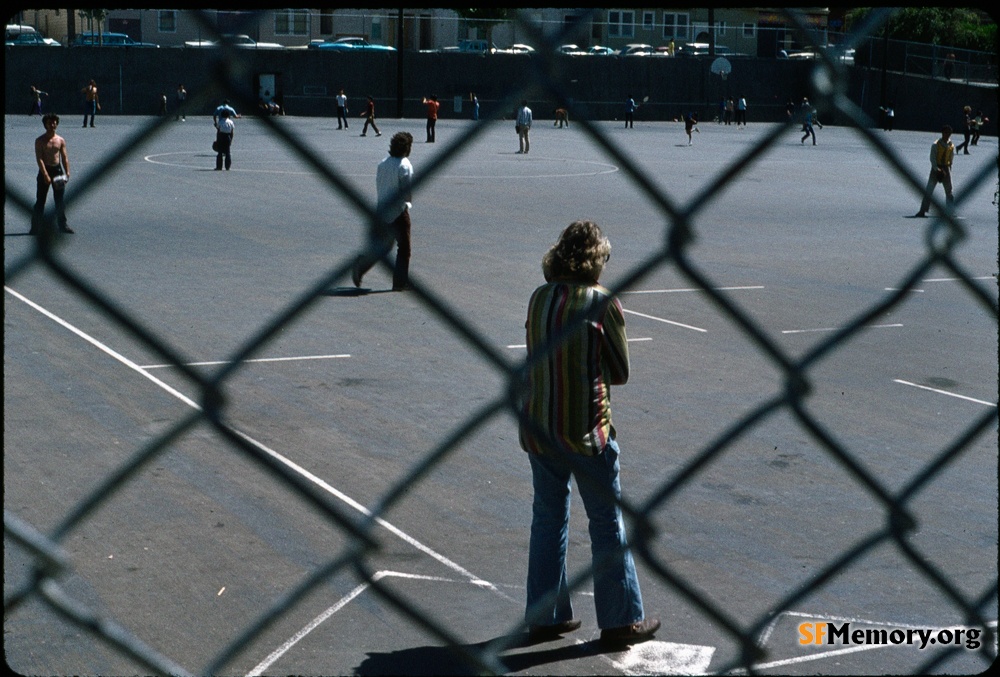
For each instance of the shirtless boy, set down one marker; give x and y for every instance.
(92, 103)
(53, 170)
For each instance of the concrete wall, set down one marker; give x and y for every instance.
(132, 80)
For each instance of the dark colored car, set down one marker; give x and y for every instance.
(29, 39)
(108, 40)
(350, 44)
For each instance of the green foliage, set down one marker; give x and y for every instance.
(957, 27)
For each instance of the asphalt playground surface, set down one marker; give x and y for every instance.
(358, 389)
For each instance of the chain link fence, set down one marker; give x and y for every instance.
(51, 563)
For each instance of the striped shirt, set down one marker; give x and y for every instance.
(568, 393)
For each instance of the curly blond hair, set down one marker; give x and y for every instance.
(579, 255)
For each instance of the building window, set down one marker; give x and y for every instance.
(621, 24)
(166, 21)
(748, 30)
(291, 22)
(647, 21)
(676, 26)
(376, 30)
(720, 28)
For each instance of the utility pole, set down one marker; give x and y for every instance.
(711, 31)
(399, 64)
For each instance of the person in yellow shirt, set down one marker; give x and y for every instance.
(942, 154)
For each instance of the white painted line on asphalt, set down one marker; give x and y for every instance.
(673, 291)
(867, 326)
(524, 346)
(817, 657)
(192, 160)
(475, 580)
(312, 625)
(341, 603)
(260, 359)
(660, 319)
(648, 658)
(957, 279)
(643, 664)
(945, 392)
(121, 358)
(665, 658)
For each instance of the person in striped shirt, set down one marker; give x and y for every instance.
(577, 350)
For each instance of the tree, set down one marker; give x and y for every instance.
(949, 26)
(92, 16)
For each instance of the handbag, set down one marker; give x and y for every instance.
(215, 146)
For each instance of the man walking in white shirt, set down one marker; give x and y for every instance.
(392, 182)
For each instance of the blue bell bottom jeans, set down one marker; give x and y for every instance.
(616, 586)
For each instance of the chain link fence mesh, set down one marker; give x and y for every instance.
(51, 563)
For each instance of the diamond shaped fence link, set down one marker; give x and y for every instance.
(51, 563)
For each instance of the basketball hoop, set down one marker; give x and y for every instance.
(722, 67)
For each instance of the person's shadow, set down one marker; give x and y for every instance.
(442, 660)
(354, 291)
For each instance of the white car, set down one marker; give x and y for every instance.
(517, 49)
(598, 50)
(241, 41)
(571, 50)
(637, 49)
(246, 42)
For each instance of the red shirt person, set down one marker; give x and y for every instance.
(432, 115)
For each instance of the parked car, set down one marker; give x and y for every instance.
(241, 41)
(844, 56)
(516, 49)
(246, 42)
(14, 30)
(702, 49)
(108, 40)
(636, 49)
(350, 44)
(571, 50)
(29, 39)
(598, 50)
(472, 47)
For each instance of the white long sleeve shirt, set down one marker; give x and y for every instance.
(392, 182)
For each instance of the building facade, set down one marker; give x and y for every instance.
(752, 31)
